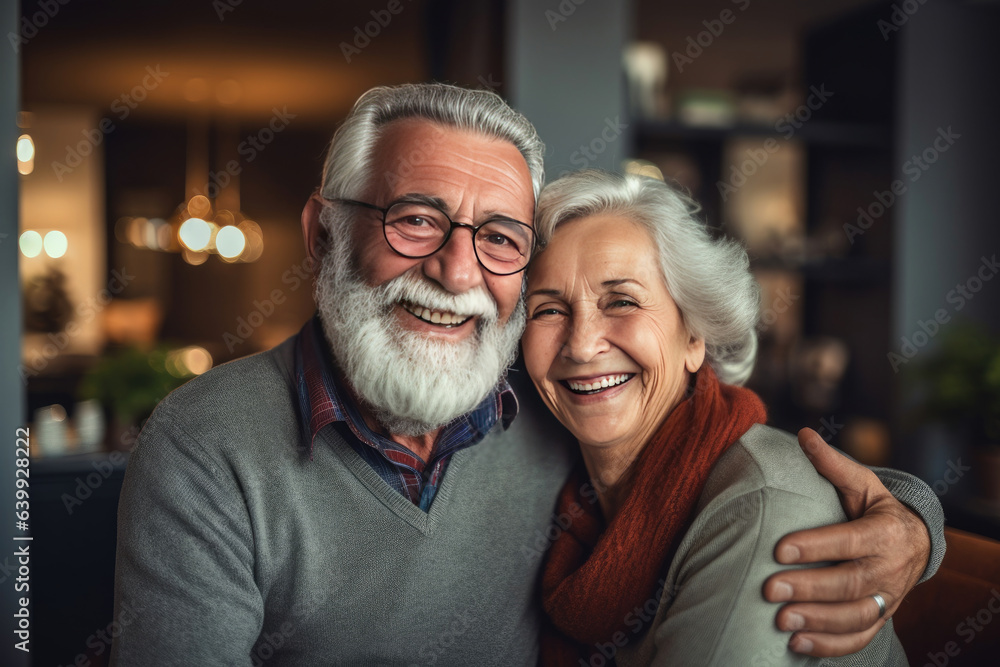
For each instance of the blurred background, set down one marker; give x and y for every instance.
(157, 157)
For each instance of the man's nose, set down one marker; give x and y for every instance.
(455, 266)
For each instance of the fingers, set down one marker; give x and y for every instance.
(844, 582)
(842, 541)
(842, 625)
(854, 482)
(823, 645)
(834, 618)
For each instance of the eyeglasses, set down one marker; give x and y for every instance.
(417, 229)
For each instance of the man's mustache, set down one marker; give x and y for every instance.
(411, 288)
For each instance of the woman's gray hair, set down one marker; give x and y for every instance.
(709, 280)
(346, 171)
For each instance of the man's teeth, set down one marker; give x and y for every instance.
(442, 317)
(601, 383)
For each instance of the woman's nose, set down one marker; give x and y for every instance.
(586, 339)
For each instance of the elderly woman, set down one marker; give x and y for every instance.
(640, 330)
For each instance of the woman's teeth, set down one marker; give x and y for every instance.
(442, 317)
(598, 385)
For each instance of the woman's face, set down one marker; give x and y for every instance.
(605, 343)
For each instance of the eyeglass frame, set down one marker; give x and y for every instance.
(474, 229)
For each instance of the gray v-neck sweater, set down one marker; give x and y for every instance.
(235, 549)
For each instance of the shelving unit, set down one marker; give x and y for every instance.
(848, 147)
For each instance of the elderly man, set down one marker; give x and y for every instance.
(362, 493)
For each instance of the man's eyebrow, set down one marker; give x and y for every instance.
(420, 198)
(437, 202)
(497, 215)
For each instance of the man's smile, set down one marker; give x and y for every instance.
(442, 318)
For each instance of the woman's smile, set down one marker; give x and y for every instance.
(596, 385)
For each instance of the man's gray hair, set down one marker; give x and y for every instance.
(709, 280)
(347, 170)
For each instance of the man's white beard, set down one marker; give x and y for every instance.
(413, 384)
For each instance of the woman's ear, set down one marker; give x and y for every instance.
(313, 233)
(695, 356)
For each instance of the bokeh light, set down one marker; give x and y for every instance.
(194, 258)
(30, 243)
(25, 155)
(188, 361)
(164, 233)
(25, 148)
(195, 233)
(196, 359)
(199, 206)
(230, 242)
(55, 244)
(643, 168)
(255, 241)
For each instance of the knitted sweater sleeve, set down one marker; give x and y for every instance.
(919, 497)
(185, 592)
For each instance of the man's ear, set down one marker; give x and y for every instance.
(313, 233)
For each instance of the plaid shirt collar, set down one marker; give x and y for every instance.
(324, 400)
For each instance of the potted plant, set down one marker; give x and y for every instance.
(960, 383)
(129, 383)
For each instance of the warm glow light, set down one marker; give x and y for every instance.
(25, 148)
(230, 242)
(224, 217)
(25, 155)
(31, 243)
(188, 361)
(194, 258)
(164, 234)
(149, 235)
(255, 241)
(199, 206)
(136, 230)
(55, 244)
(643, 168)
(121, 229)
(195, 233)
(196, 360)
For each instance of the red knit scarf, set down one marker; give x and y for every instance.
(594, 577)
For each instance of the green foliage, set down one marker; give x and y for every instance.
(130, 382)
(962, 379)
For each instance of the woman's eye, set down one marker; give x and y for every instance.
(623, 303)
(545, 312)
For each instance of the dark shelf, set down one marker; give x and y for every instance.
(846, 271)
(650, 132)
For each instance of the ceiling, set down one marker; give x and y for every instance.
(245, 58)
(93, 53)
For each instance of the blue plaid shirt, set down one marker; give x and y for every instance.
(324, 401)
